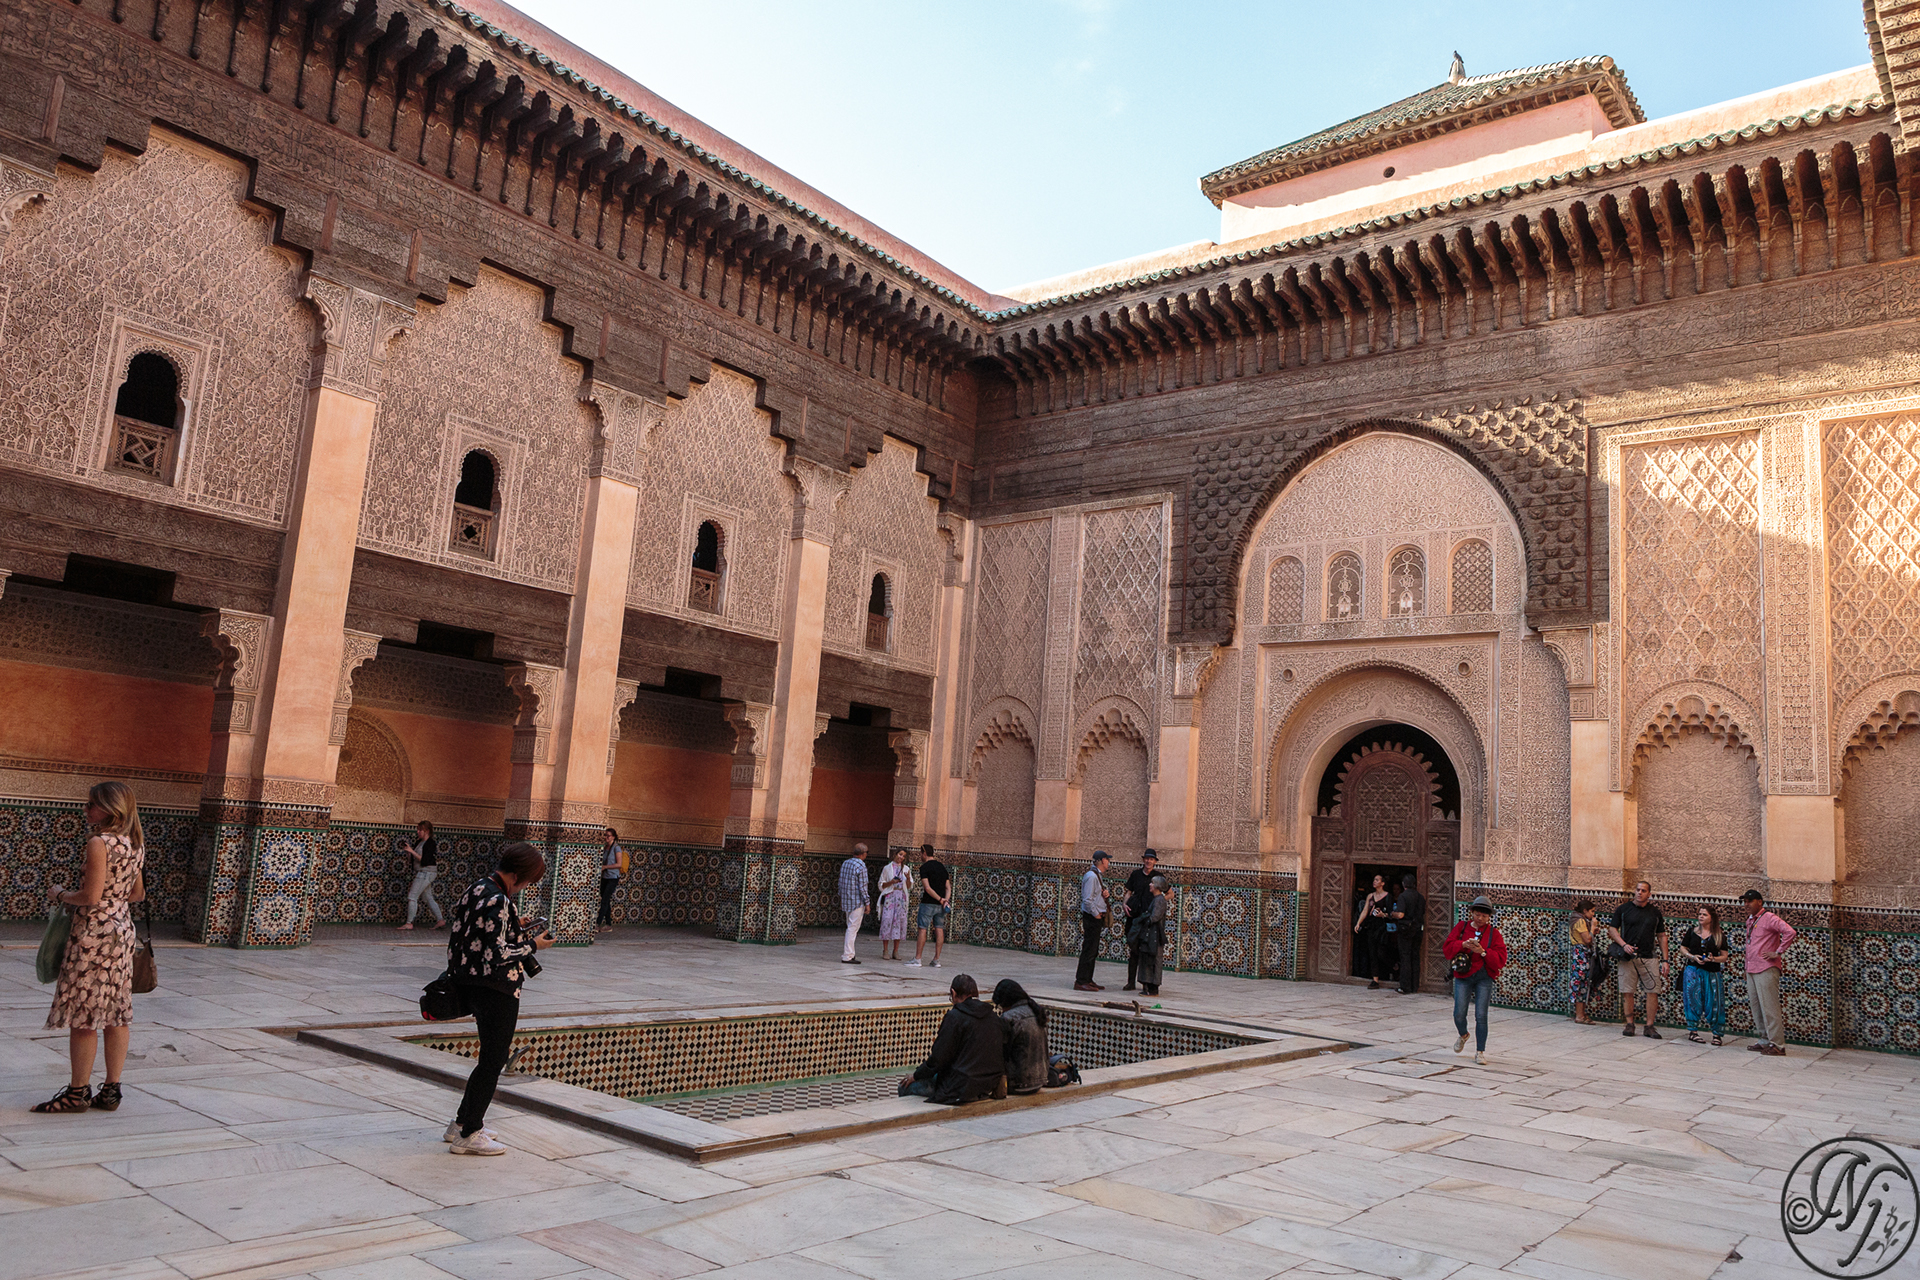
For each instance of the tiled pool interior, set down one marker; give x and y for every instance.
(719, 1069)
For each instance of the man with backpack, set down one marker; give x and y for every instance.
(613, 868)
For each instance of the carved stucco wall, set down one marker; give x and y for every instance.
(1006, 638)
(712, 457)
(66, 629)
(155, 252)
(1873, 559)
(1113, 800)
(1003, 810)
(1380, 493)
(372, 779)
(886, 524)
(1699, 816)
(481, 371)
(1883, 822)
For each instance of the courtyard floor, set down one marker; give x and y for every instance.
(1575, 1154)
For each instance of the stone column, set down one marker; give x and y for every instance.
(941, 771)
(1599, 813)
(912, 816)
(270, 808)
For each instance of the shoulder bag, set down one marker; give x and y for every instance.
(53, 943)
(442, 1001)
(146, 975)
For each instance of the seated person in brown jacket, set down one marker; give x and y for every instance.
(969, 1058)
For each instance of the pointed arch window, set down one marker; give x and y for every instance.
(476, 507)
(1286, 583)
(1473, 577)
(706, 580)
(1345, 581)
(147, 412)
(1406, 583)
(880, 614)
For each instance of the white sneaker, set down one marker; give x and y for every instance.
(913, 964)
(477, 1144)
(1480, 1058)
(1460, 1044)
(935, 965)
(453, 1132)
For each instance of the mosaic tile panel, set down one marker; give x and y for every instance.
(277, 904)
(661, 1059)
(42, 842)
(363, 874)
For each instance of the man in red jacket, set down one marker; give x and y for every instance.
(1477, 953)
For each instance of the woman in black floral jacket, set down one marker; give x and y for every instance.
(486, 954)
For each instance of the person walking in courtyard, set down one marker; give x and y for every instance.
(1409, 919)
(969, 1056)
(936, 905)
(1026, 1037)
(1584, 938)
(613, 868)
(1768, 937)
(853, 898)
(1476, 953)
(1147, 937)
(1370, 933)
(487, 954)
(1703, 989)
(94, 995)
(424, 850)
(1139, 898)
(896, 886)
(1093, 918)
(1640, 932)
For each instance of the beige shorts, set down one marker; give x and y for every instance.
(1637, 975)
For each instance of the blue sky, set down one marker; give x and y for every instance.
(1019, 139)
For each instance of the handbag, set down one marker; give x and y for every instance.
(441, 1001)
(53, 943)
(146, 975)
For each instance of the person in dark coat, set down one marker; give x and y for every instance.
(1147, 937)
(1139, 901)
(1409, 917)
(1026, 1037)
(969, 1057)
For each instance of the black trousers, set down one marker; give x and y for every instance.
(607, 889)
(1089, 945)
(1409, 940)
(496, 1014)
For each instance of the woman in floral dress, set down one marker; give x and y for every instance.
(896, 886)
(1584, 937)
(95, 991)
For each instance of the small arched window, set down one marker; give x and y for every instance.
(475, 506)
(1285, 584)
(709, 564)
(146, 419)
(1473, 577)
(1406, 583)
(1344, 580)
(879, 613)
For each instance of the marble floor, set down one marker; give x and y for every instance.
(1574, 1154)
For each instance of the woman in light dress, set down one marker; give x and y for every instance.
(95, 991)
(896, 886)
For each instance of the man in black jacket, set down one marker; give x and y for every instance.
(1409, 917)
(1139, 902)
(969, 1058)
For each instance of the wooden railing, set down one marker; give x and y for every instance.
(472, 532)
(143, 449)
(703, 591)
(878, 631)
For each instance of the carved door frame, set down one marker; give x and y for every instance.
(1435, 847)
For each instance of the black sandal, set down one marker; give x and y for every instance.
(1695, 1037)
(75, 1097)
(1716, 1040)
(108, 1099)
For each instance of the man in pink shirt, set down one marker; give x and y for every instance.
(1768, 937)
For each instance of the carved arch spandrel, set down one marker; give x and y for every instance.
(1719, 712)
(1873, 717)
(1113, 718)
(1004, 720)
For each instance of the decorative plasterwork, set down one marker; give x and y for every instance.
(1716, 711)
(358, 646)
(538, 688)
(1872, 718)
(350, 351)
(1113, 719)
(909, 778)
(241, 641)
(816, 498)
(19, 187)
(626, 424)
(1005, 723)
(753, 739)
(1573, 647)
(624, 692)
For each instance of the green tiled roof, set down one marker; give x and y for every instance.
(1441, 109)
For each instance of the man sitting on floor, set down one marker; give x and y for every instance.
(969, 1058)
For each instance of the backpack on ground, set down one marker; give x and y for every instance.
(1061, 1071)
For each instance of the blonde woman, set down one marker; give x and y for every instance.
(95, 992)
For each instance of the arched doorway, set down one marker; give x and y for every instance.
(1389, 804)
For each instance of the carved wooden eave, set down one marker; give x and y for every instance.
(1893, 34)
(1444, 109)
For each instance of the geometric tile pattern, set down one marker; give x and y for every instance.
(649, 1061)
(43, 841)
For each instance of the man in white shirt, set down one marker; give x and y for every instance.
(1093, 918)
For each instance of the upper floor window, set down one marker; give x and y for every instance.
(475, 507)
(1406, 583)
(879, 613)
(1344, 577)
(1285, 584)
(146, 419)
(1473, 577)
(709, 564)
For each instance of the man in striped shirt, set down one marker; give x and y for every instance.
(854, 890)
